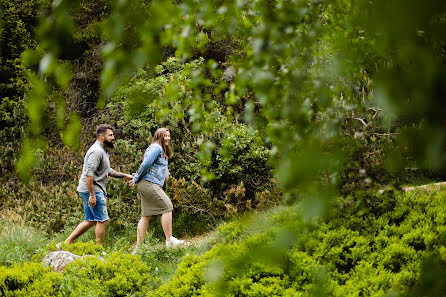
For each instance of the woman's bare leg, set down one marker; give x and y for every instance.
(142, 230)
(166, 222)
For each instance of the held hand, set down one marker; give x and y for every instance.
(92, 201)
(131, 181)
(128, 177)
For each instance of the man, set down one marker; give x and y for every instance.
(92, 184)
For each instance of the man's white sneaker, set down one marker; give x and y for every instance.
(173, 242)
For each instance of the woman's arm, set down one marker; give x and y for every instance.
(153, 152)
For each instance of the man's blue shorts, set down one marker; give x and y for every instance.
(98, 213)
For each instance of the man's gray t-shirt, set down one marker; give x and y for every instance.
(97, 165)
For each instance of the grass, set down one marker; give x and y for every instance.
(164, 261)
(18, 242)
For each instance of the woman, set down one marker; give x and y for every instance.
(151, 176)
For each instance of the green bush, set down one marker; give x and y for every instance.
(83, 248)
(18, 33)
(29, 279)
(235, 230)
(12, 135)
(188, 278)
(193, 199)
(370, 253)
(116, 275)
(48, 208)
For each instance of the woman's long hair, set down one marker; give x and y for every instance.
(158, 137)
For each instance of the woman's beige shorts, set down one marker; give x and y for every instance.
(153, 199)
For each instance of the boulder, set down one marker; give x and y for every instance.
(58, 260)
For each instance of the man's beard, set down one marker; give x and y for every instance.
(109, 144)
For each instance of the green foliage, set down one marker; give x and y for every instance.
(163, 260)
(10, 149)
(48, 208)
(194, 199)
(18, 242)
(235, 230)
(83, 248)
(287, 78)
(234, 156)
(116, 275)
(240, 147)
(191, 281)
(29, 279)
(399, 249)
(343, 94)
(409, 48)
(71, 136)
(346, 254)
(18, 22)
(235, 165)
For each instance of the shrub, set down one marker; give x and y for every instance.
(373, 253)
(48, 208)
(29, 279)
(193, 199)
(10, 149)
(83, 248)
(17, 34)
(116, 275)
(233, 231)
(188, 278)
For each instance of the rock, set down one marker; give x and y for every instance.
(59, 260)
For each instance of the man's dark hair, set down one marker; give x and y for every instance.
(102, 128)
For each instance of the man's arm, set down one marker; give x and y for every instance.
(117, 174)
(90, 187)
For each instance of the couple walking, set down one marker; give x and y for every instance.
(149, 179)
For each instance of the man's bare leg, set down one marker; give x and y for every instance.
(142, 230)
(166, 222)
(100, 231)
(80, 229)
